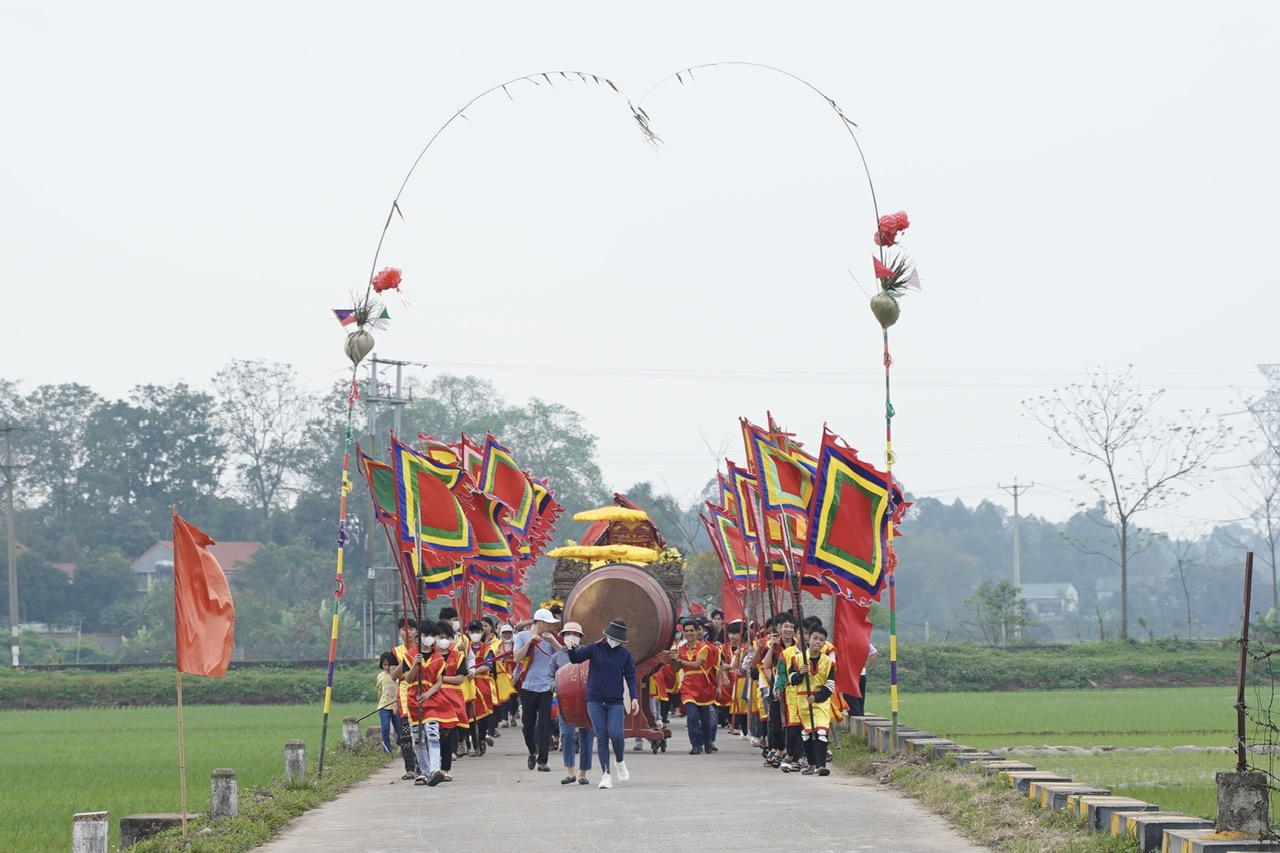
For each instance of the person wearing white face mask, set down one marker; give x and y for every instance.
(575, 743)
(533, 650)
(612, 670)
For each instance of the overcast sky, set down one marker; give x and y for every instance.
(1090, 185)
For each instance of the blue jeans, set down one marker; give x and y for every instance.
(702, 724)
(426, 743)
(390, 729)
(581, 752)
(607, 720)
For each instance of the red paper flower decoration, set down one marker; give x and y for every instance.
(890, 224)
(388, 279)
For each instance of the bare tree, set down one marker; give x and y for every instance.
(1187, 557)
(265, 414)
(1261, 496)
(1139, 460)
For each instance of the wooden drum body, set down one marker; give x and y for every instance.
(627, 592)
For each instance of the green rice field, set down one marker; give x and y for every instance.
(1128, 720)
(125, 760)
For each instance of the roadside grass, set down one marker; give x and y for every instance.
(982, 809)
(125, 761)
(1198, 716)
(1025, 722)
(267, 809)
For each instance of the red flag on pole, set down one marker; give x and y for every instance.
(521, 607)
(730, 600)
(853, 643)
(204, 617)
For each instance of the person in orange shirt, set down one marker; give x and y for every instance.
(455, 676)
(696, 661)
(428, 706)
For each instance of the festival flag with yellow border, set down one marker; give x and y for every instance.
(786, 486)
(853, 506)
(502, 478)
(430, 516)
(737, 558)
(494, 601)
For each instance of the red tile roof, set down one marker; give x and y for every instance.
(232, 556)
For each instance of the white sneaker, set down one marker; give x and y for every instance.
(605, 781)
(623, 773)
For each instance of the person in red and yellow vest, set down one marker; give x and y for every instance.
(812, 678)
(696, 661)
(480, 698)
(405, 654)
(456, 672)
(428, 705)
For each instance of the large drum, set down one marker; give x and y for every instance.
(627, 592)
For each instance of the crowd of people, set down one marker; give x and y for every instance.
(444, 693)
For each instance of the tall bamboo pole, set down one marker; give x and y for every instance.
(339, 585)
(890, 559)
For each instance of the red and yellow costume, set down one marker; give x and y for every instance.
(698, 684)
(437, 706)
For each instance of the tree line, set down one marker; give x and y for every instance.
(256, 457)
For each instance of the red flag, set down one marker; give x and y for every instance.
(881, 270)
(730, 603)
(521, 607)
(204, 618)
(853, 643)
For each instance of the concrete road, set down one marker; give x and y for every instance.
(727, 801)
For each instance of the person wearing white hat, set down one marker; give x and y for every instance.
(533, 650)
(612, 670)
(575, 743)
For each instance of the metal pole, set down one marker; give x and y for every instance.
(1241, 763)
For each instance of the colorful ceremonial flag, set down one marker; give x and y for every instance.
(737, 557)
(741, 482)
(441, 579)
(204, 617)
(491, 544)
(472, 459)
(345, 316)
(438, 450)
(853, 507)
(495, 602)
(785, 485)
(851, 636)
(430, 516)
(382, 485)
(502, 478)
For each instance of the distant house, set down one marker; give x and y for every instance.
(1050, 600)
(156, 563)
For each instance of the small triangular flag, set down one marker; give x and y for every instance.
(881, 270)
(913, 281)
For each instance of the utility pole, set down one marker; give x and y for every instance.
(10, 474)
(1016, 490)
(395, 399)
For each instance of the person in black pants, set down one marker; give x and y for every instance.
(533, 650)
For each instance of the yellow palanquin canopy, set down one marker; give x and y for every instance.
(605, 553)
(612, 513)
